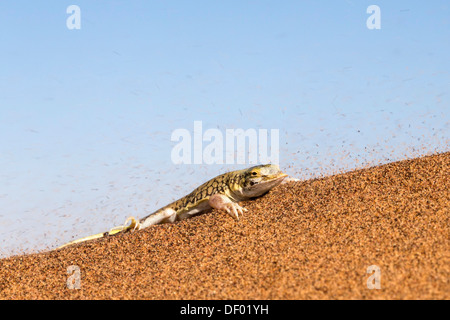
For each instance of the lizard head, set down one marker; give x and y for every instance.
(258, 180)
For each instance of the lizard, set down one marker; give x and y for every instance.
(223, 193)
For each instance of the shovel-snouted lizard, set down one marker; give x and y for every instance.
(222, 193)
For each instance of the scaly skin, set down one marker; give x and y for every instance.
(222, 192)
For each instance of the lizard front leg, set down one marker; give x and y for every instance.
(222, 202)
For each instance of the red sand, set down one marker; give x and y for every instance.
(305, 240)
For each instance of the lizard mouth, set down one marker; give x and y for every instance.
(280, 175)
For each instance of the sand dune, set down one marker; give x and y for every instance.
(304, 240)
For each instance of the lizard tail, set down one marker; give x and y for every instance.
(133, 225)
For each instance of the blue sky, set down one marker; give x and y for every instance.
(86, 115)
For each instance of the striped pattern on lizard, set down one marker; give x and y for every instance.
(222, 193)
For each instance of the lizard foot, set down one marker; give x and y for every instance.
(222, 202)
(234, 209)
(133, 226)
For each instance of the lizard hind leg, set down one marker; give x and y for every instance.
(160, 216)
(132, 226)
(222, 202)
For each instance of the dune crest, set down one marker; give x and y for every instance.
(304, 240)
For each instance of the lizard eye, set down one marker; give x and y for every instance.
(254, 173)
